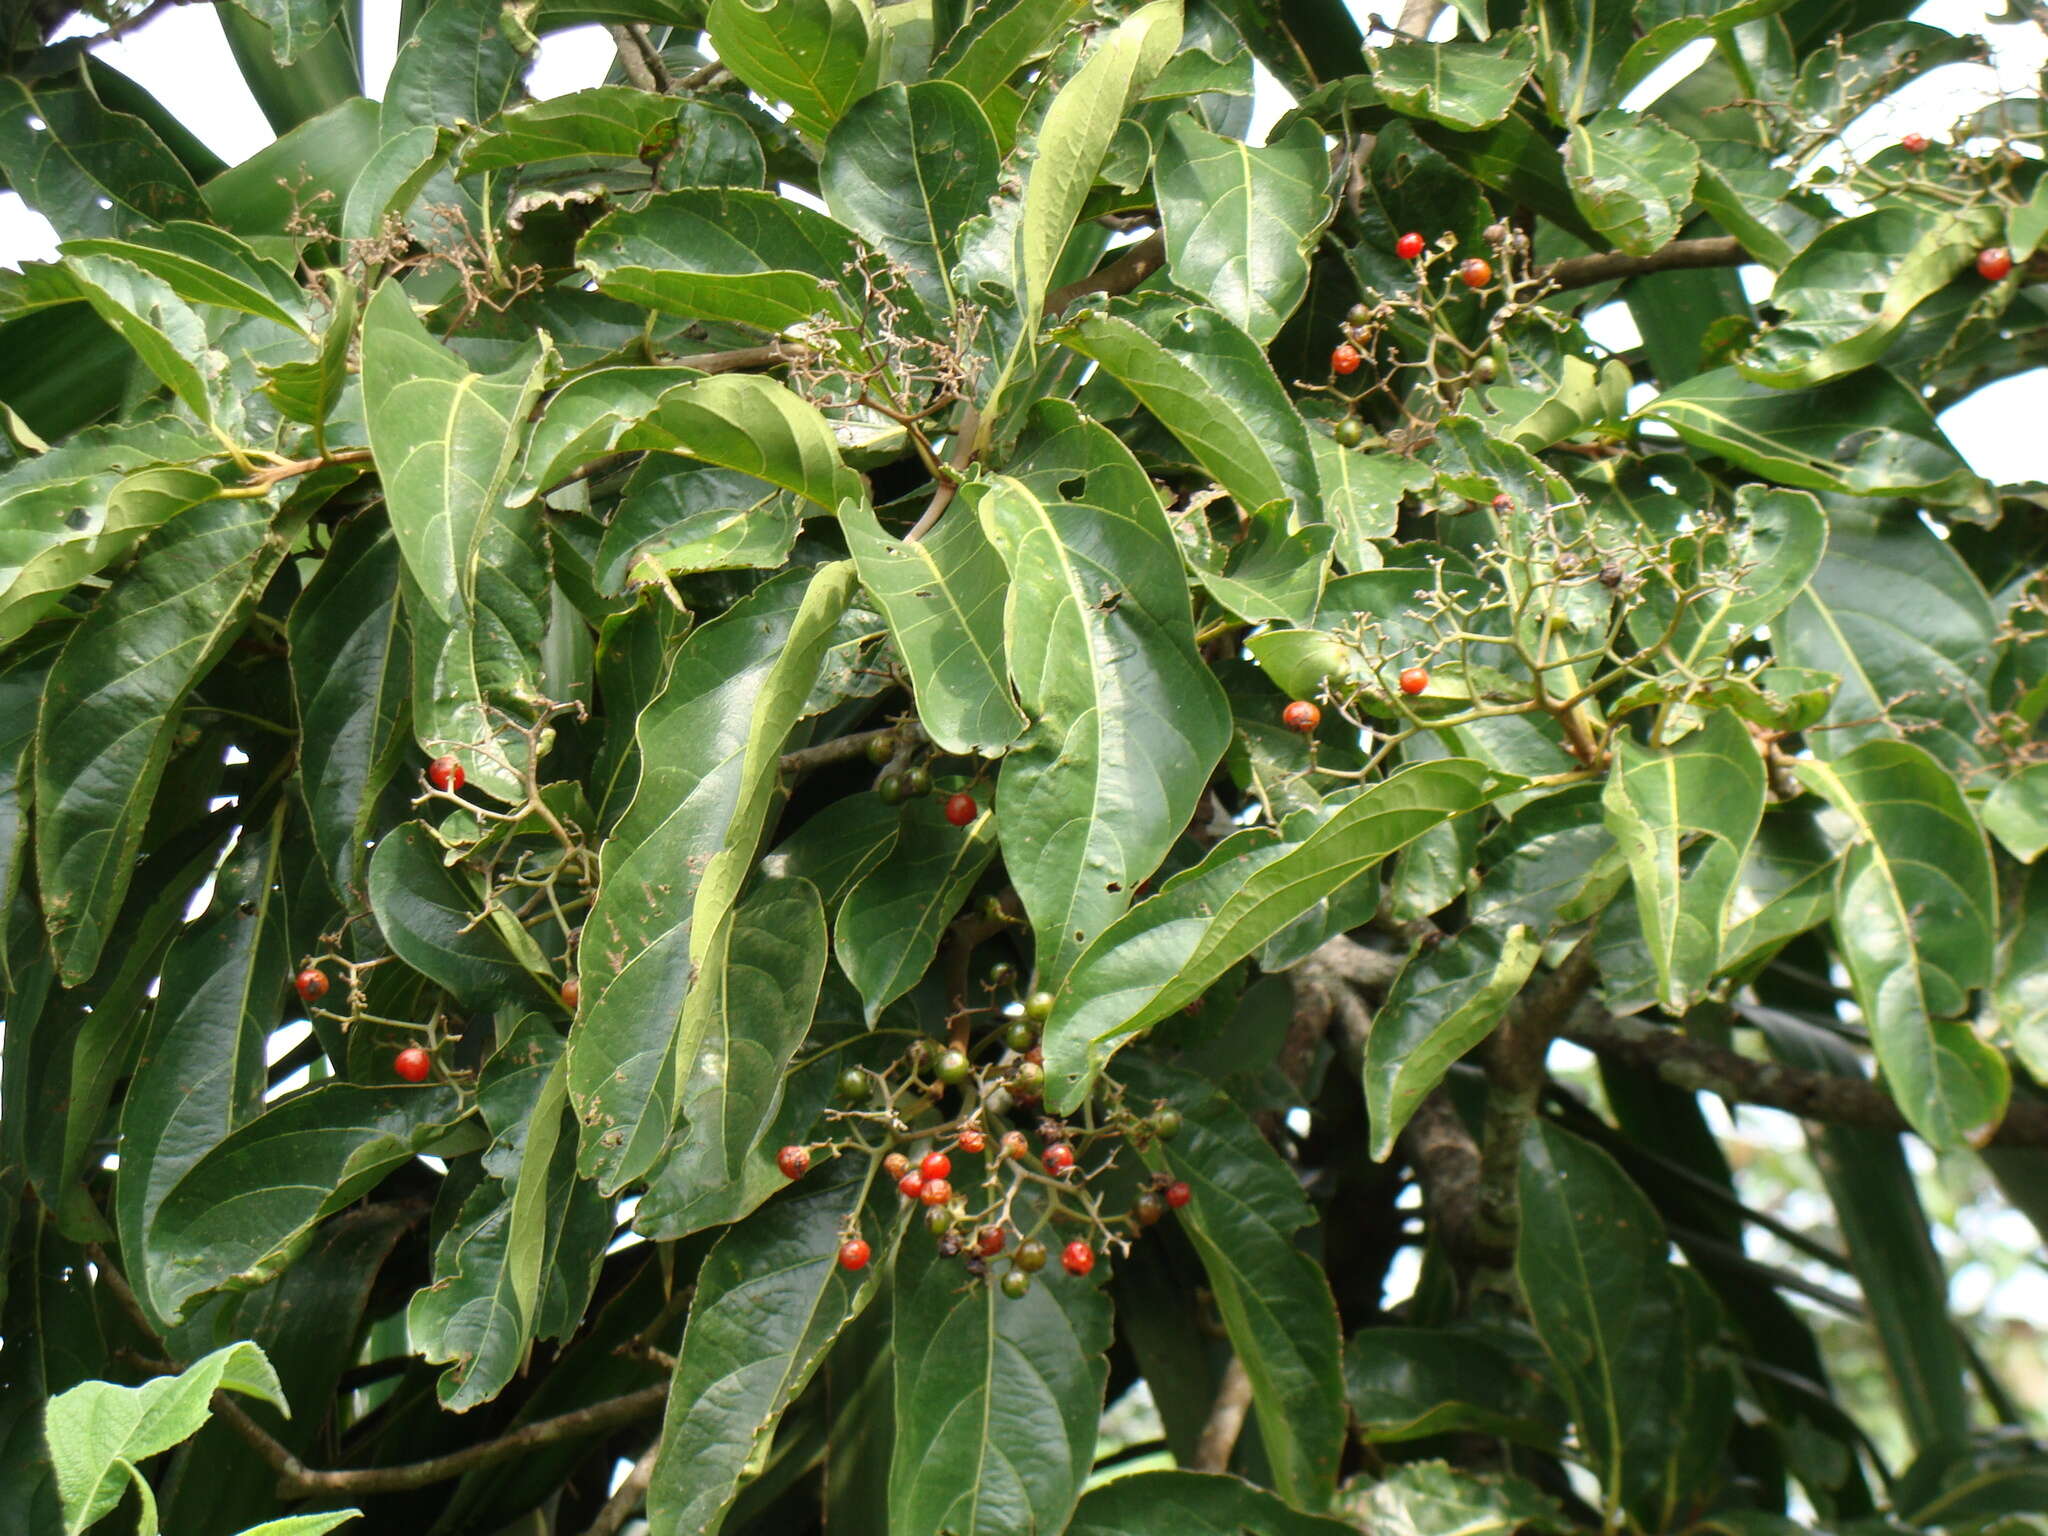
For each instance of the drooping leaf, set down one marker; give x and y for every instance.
(1632, 178)
(458, 64)
(428, 911)
(88, 170)
(890, 926)
(816, 55)
(1462, 85)
(2016, 813)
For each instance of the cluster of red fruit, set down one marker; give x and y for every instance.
(413, 1063)
(905, 778)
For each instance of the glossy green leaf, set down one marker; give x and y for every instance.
(745, 1016)
(1684, 816)
(1632, 178)
(604, 122)
(227, 1224)
(676, 516)
(905, 169)
(1463, 85)
(1914, 916)
(1240, 222)
(110, 713)
(1126, 722)
(997, 1398)
(1212, 388)
(1669, 25)
(458, 64)
(1179, 1503)
(165, 331)
(204, 265)
(1269, 573)
(891, 923)
(770, 1300)
(1169, 948)
(834, 849)
(393, 178)
(999, 39)
(1412, 1383)
(753, 425)
(1848, 74)
(1787, 886)
(1579, 48)
(1430, 1498)
(1246, 1205)
(1752, 567)
(2016, 813)
(1362, 495)
(816, 55)
(87, 170)
(710, 748)
(943, 597)
(427, 914)
(1753, 199)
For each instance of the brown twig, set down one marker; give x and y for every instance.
(1226, 1419)
(1603, 266)
(1137, 263)
(628, 1496)
(1446, 1161)
(840, 749)
(638, 56)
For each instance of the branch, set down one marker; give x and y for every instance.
(1692, 1064)
(629, 1495)
(839, 749)
(1226, 1419)
(1137, 263)
(1585, 271)
(640, 59)
(1446, 1162)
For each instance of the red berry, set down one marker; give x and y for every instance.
(936, 1165)
(1476, 273)
(572, 993)
(794, 1162)
(1345, 358)
(1503, 503)
(413, 1064)
(312, 984)
(1993, 263)
(991, 1241)
(935, 1192)
(446, 775)
(971, 1140)
(1414, 680)
(1301, 716)
(896, 1165)
(1077, 1258)
(961, 809)
(1178, 1194)
(1409, 246)
(853, 1253)
(1015, 1147)
(1914, 143)
(1059, 1157)
(912, 1184)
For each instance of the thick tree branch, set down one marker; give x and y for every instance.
(840, 749)
(1226, 1419)
(1446, 1161)
(1692, 1064)
(638, 56)
(1137, 263)
(628, 1497)
(1585, 271)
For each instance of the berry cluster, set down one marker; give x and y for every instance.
(904, 755)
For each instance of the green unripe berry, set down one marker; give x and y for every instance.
(918, 780)
(891, 788)
(881, 748)
(1031, 1255)
(1028, 1079)
(1038, 1006)
(1015, 1283)
(854, 1085)
(937, 1220)
(952, 1066)
(1002, 973)
(1349, 432)
(1020, 1034)
(1166, 1124)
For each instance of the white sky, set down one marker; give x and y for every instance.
(182, 59)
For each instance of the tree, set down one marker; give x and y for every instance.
(781, 771)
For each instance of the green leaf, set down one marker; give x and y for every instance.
(1622, 1332)
(457, 65)
(906, 169)
(943, 597)
(753, 425)
(1867, 434)
(1240, 222)
(1126, 722)
(1786, 887)
(1212, 388)
(745, 1016)
(205, 265)
(1632, 178)
(677, 516)
(1752, 567)
(229, 1223)
(1466, 86)
(351, 659)
(1444, 1002)
(1846, 295)
(1915, 907)
(999, 39)
(1684, 816)
(605, 122)
(1191, 1504)
(1752, 198)
(1671, 24)
(109, 717)
(87, 170)
(165, 331)
(200, 1072)
(836, 847)
(428, 915)
(2016, 812)
(2020, 998)
(1430, 1498)
(1269, 573)
(1362, 495)
(891, 922)
(98, 1431)
(1275, 1301)
(585, 418)
(1171, 947)
(308, 392)
(1579, 48)
(818, 56)
(393, 178)
(709, 748)
(445, 440)
(1413, 1383)
(1896, 614)
(1846, 75)
(997, 1398)
(770, 1300)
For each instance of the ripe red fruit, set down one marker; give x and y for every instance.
(1409, 246)
(1178, 1194)
(1059, 1157)
(1476, 273)
(1993, 263)
(896, 1165)
(1015, 1147)
(912, 1184)
(935, 1192)
(1914, 143)
(991, 1241)
(794, 1162)
(1077, 1258)
(971, 1140)
(446, 775)
(1301, 716)
(936, 1165)
(413, 1064)
(853, 1253)
(1414, 680)
(1503, 502)
(312, 984)
(572, 993)
(1345, 358)
(961, 809)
